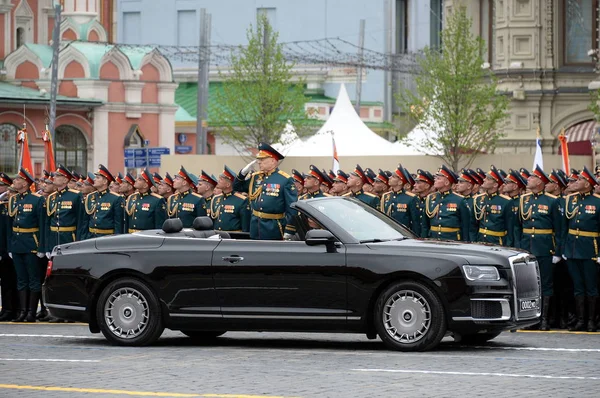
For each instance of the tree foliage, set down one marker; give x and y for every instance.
(456, 100)
(258, 96)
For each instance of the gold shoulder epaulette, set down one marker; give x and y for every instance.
(239, 195)
(115, 194)
(371, 194)
(73, 190)
(571, 194)
(554, 197)
(410, 193)
(53, 194)
(596, 195)
(527, 194)
(347, 194)
(156, 195)
(197, 195)
(283, 173)
(505, 197)
(386, 194)
(478, 195)
(327, 195)
(459, 195)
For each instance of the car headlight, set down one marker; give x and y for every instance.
(481, 273)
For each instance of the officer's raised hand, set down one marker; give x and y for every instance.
(248, 167)
(555, 259)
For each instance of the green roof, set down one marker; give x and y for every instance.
(318, 98)
(93, 52)
(12, 93)
(43, 51)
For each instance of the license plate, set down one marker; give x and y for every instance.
(528, 305)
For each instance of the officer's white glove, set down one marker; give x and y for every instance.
(598, 260)
(288, 236)
(40, 255)
(10, 255)
(248, 167)
(555, 259)
(0, 258)
(48, 255)
(564, 257)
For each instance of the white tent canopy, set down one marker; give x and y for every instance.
(352, 136)
(414, 143)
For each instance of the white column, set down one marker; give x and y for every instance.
(166, 127)
(100, 134)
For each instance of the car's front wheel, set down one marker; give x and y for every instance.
(128, 313)
(203, 334)
(409, 316)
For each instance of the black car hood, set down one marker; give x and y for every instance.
(472, 253)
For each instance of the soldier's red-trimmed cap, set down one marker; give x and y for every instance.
(267, 151)
(148, 177)
(190, 178)
(524, 173)
(558, 178)
(331, 175)
(119, 178)
(24, 174)
(168, 180)
(157, 178)
(49, 179)
(341, 176)
(399, 172)
(587, 174)
(370, 174)
(328, 181)
(383, 176)
(574, 175)
(449, 174)
(63, 171)
(129, 179)
(409, 178)
(5, 179)
(204, 176)
(495, 174)
(75, 176)
(425, 176)
(515, 177)
(465, 175)
(297, 176)
(89, 180)
(539, 173)
(103, 171)
(360, 173)
(482, 174)
(313, 171)
(228, 173)
(46, 173)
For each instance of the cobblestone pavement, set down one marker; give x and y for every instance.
(65, 360)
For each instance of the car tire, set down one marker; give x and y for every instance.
(128, 313)
(409, 316)
(203, 334)
(478, 338)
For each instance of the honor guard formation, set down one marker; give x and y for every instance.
(554, 216)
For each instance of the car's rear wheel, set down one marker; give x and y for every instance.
(409, 316)
(203, 334)
(479, 338)
(128, 313)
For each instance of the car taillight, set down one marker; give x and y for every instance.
(49, 268)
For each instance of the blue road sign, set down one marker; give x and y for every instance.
(183, 149)
(135, 153)
(135, 163)
(158, 151)
(154, 162)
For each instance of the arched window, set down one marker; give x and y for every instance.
(580, 25)
(9, 157)
(71, 148)
(20, 37)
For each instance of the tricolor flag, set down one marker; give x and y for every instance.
(564, 150)
(336, 161)
(49, 163)
(538, 160)
(25, 158)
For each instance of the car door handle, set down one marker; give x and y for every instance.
(233, 259)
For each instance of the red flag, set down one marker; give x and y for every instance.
(49, 163)
(336, 160)
(25, 159)
(564, 149)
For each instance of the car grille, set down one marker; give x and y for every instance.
(486, 309)
(526, 284)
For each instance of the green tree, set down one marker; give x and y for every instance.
(456, 100)
(258, 96)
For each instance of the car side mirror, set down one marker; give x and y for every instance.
(316, 237)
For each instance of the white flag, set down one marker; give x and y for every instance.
(336, 161)
(538, 160)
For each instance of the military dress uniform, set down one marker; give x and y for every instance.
(493, 216)
(104, 209)
(8, 278)
(145, 210)
(365, 197)
(230, 212)
(186, 205)
(271, 196)
(26, 211)
(321, 177)
(400, 205)
(581, 240)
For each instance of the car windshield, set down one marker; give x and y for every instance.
(361, 221)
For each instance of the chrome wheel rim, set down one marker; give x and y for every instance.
(406, 316)
(126, 313)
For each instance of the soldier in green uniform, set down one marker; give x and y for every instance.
(66, 220)
(230, 211)
(313, 182)
(8, 278)
(400, 204)
(493, 213)
(368, 186)
(165, 188)
(581, 235)
(144, 209)
(103, 207)
(327, 183)
(465, 187)
(206, 186)
(538, 230)
(88, 186)
(381, 183)
(514, 186)
(26, 211)
(446, 215)
(186, 204)
(271, 193)
(127, 187)
(298, 182)
(356, 181)
(339, 187)
(423, 183)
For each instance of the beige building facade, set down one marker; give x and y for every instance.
(544, 53)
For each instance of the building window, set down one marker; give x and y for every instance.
(580, 26)
(187, 28)
(435, 24)
(132, 28)
(71, 148)
(401, 26)
(20, 37)
(486, 25)
(9, 156)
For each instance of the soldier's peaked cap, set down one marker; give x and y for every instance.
(465, 175)
(399, 172)
(24, 174)
(297, 176)
(228, 173)
(449, 174)
(587, 174)
(267, 151)
(558, 178)
(316, 173)
(495, 174)
(63, 171)
(190, 178)
(204, 176)
(383, 176)
(516, 177)
(103, 171)
(425, 176)
(409, 178)
(538, 172)
(168, 180)
(360, 173)
(5, 179)
(129, 179)
(341, 176)
(148, 177)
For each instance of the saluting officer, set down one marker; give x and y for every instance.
(493, 212)
(538, 226)
(186, 204)
(66, 220)
(144, 209)
(104, 208)
(271, 193)
(356, 182)
(229, 210)
(313, 182)
(581, 237)
(446, 215)
(8, 278)
(400, 204)
(26, 211)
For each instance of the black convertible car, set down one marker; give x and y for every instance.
(357, 272)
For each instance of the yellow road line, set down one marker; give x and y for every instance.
(127, 392)
(556, 332)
